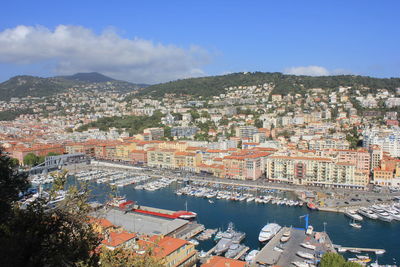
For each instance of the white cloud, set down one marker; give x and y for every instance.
(78, 49)
(307, 70)
(314, 71)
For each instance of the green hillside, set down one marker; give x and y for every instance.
(214, 85)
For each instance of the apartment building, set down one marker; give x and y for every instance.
(161, 158)
(244, 165)
(314, 171)
(387, 139)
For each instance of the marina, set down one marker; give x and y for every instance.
(243, 208)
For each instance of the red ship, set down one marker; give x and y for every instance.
(311, 206)
(131, 206)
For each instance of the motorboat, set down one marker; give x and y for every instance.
(268, 232)
(353, 215)
(251, 256)
(234, 250)
(305, 255)
(385, 216)
(308, 245)
(367, 213)
(355, 225)
(300, 264)
(309, 230)
(311, 206)
(193, 242)
(285, 237)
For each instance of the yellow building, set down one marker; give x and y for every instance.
(315, 171)
(171, 251)
(122, 151)
(180, 146)
(161, 158)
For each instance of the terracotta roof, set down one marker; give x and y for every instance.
(218, 261)
(115, 239)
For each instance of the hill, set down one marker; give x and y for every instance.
(25, 85)
(283, 84)
(21, 86)
(90, 77)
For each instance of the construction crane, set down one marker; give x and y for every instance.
(305, 219)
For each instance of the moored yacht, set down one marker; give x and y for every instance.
(268, 232)
(305, 255)
(308, 245)
(353, 215)
(367, 213)
(385, 216)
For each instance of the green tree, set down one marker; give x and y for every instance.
(12, 182)
(39, 236)
(128, 258)
(258, 123)
(31, 159)
(14, 162)
(331, 259)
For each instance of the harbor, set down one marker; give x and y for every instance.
(248, 216)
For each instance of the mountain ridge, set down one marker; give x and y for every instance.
(34, 86)
(283, 83)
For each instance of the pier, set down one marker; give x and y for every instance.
(269, 255)
(376, 250)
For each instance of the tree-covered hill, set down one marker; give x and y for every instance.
(283, 84)
(91, 77)
(24, 85)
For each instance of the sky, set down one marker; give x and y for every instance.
(159, 41)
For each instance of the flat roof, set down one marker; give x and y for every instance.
(140, 223)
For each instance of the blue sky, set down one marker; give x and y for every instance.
(156, 41)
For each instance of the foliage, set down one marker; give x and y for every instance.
(283, 84)
(39, 236)
(353, 137)
(127, 258)
(9, 115)
(331, 259)
(258, 123)
(24, 85)
(31, 159)
(12, 182)
(134, 124)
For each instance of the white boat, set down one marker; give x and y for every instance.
(268, 232)
(308, 245)
(305, 255)
(368, 213)
(385, 216)
(355, 225)
(309, 230)
(278, 249)
(285, 237)
(300, 264)
(353, 215)
(380, 252)
(193, 242)
(251, 256)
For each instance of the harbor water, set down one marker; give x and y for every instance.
(250, 217)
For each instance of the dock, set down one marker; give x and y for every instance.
(270, 255)
(360, 249)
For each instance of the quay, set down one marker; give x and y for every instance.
(270, 256)
(376, 250)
